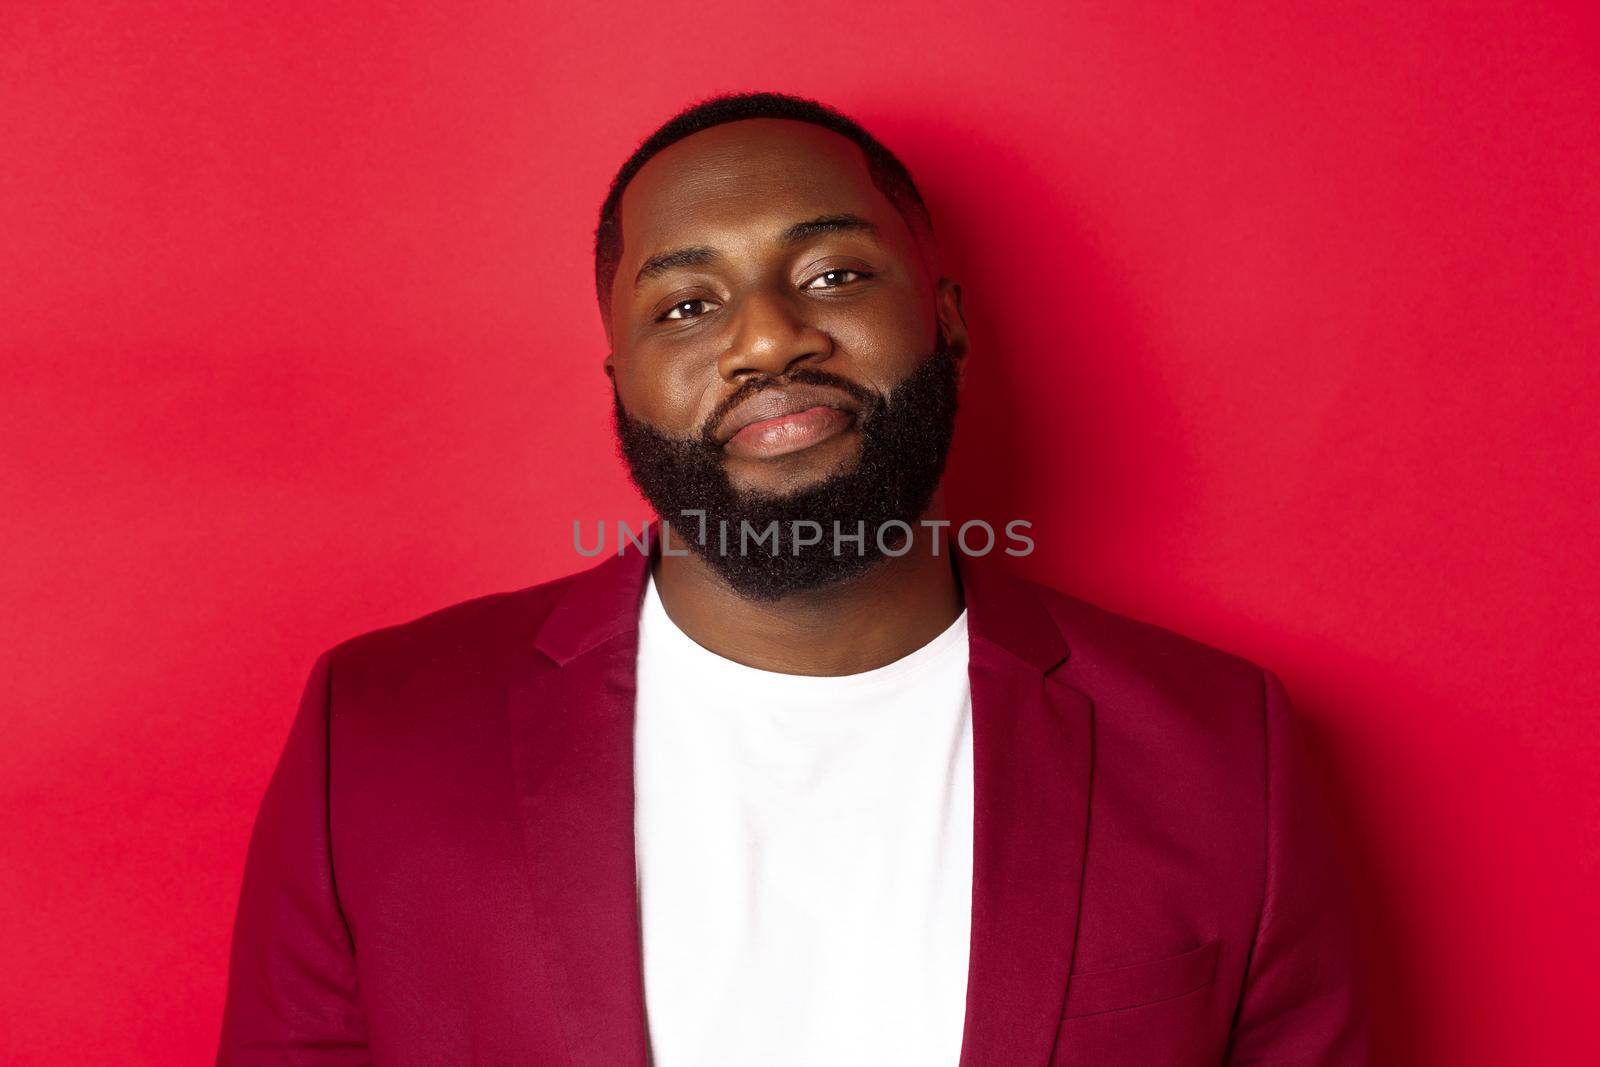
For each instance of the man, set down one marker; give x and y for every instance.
(798, 781)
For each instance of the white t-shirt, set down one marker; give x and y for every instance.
(804, 851)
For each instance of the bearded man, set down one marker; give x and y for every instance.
(797, 781)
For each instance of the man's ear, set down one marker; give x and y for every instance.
(610, 368)
(952, 322)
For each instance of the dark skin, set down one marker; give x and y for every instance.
(856, 293)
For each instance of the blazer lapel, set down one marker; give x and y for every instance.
(572, 751)
(1031, 777)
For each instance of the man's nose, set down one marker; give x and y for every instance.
(771, 335)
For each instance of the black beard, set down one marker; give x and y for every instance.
(905, 437)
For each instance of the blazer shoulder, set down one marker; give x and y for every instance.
(467, 635)
(1111, 652)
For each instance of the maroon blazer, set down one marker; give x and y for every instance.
(442, 870)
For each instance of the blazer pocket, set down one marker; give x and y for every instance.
(1095, 992)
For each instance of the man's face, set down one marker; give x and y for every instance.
(753, 254)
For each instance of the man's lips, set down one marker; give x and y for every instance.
(789, 433)
(777, 421)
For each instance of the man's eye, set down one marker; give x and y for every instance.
(685, 309)
(832, 279)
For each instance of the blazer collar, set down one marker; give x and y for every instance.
(572, 751)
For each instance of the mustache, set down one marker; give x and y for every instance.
(869, 400)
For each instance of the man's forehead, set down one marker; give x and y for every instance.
(742, 171)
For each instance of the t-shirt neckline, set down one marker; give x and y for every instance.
(717, 669)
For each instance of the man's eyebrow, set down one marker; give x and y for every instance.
(700, 255)
(661, 262)
(801, 231)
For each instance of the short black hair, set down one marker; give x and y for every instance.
(887, 172)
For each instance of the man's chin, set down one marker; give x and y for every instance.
(778, 477)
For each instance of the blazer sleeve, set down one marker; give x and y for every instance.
(1304, 1001)
(292, 996)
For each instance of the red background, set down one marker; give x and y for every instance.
(1284, 328)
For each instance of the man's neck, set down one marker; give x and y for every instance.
(895, 608)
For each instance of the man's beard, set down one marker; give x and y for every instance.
(905, 437)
